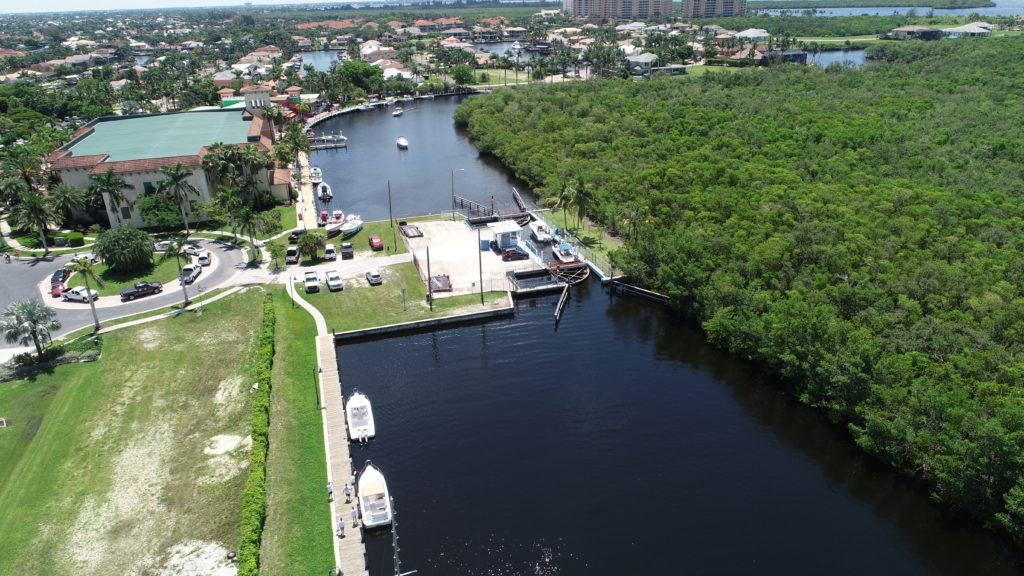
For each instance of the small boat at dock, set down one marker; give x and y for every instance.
(323, 219)
(402, 143)
(316, 175)
(540, 232)
(374, 498)
(324, 192)
(397, 112)
(563, 252)
(359, 414)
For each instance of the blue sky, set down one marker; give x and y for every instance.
(74, 5)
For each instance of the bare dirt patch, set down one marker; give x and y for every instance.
(151, 338)
(198, 558)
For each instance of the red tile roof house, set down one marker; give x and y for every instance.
(136, 147)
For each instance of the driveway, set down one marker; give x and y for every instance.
(29, 278)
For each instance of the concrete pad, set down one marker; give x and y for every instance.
(455, 251)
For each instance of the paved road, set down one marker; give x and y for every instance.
(27, 278)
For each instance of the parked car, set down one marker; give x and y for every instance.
(376, 243)
(204, 258)
(190, 272)
(514, 254)
(91, 257)
(330, 253)
(194, 249)
(334, 281)
(293, 238)
(59, 276)
(56, 288)
(80, 294)
(291, 256)
(312, 282)
(374, 277)
(163, 245)
(141, 289)
(347, 251)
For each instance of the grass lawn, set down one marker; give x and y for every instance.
(116, 466)
(113, 283)
(297, 535)
(289, 220)
(701, 70)
(499, 76)
(594, 238)
(360, 305)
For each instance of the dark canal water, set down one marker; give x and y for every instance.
(421, 177)
(623, 444)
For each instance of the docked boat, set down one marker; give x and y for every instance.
(347, 226)
(322, 219)
(540, 232)
(397, 111)
(517, 46)
(402, 143)
(316, 175)
(337, 216)
(366, 107)
(359, 414)
(374, 498)
(563, 252)
(324, 192)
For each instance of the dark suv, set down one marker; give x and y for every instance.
(293, 238)
(514, 254)
(60, 276)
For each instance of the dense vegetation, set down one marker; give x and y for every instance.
(858, 232)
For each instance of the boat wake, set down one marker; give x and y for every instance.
(501, 558)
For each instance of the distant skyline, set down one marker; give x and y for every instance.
(50, 6)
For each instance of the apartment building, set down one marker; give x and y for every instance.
(713, 8)
(614, 9)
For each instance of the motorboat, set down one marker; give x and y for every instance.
(374, 498)
(324, 192)
(347, 226)
(337, 216)
(563, 252)
(322, 219)
(359, 414)
(366, 107)
(316, 175)
(402, 143)
(517, 46)
(397, 111)
(540, 231)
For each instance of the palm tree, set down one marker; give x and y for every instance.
(11, 188)
(29, 320)
(582, 201)
(252, 223)
(113, 186)
(564, 200)
(87, 268)
(174, 251)
(176, 185)
(66, 200)
(33, 212)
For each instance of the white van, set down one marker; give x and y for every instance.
(330, 253)
(204, 258)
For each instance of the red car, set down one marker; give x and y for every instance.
(56, 289)
(514, 254)
(376, 243)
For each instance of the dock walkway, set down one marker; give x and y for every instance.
(350, 551)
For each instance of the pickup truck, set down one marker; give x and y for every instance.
(312, 282)
(291, 256)
(141, 289)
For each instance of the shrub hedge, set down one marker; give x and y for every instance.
(76, 239)
(254, 499)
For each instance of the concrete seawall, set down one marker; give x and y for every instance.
(495, 312)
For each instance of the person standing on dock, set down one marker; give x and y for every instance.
(348, 494)
(355, 517)
(330, 492)
(341, 528)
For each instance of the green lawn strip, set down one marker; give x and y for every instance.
(239, 240)
(289, 220)
(113, 283)
(595, 240)
(701, 70)
(116, 473)
(297, 535)
(360, 305)
(499, 76)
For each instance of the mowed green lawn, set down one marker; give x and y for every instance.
(129, 464)
(297, 534)
(360, 305)
(161, 271)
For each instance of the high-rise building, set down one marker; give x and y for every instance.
(713, 8)
(631, 9)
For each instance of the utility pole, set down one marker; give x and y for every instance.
(391, 217)
(430, 288)
(480, 264)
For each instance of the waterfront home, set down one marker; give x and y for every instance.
(915, 33)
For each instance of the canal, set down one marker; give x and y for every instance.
(620, 443)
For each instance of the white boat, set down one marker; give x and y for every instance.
(337, 216)
(324, 192)
(402, 143)
(366, 107)
(563, 252)
(347, 226)
(359, 414)
(517, 46)
(374, 498)
(540, 231)
(398, 112)
(316, 175)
